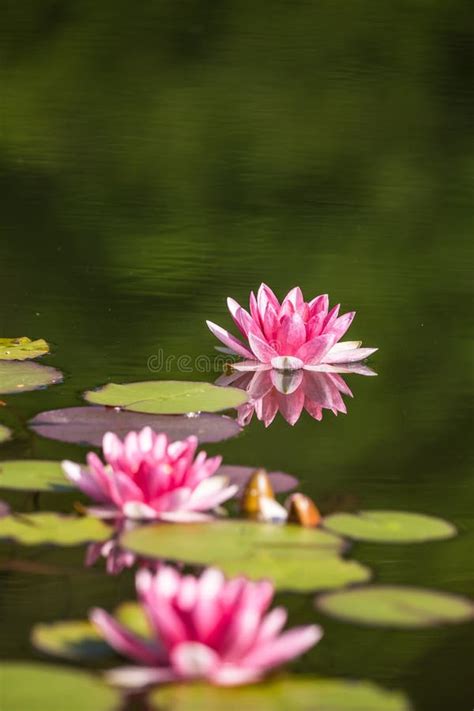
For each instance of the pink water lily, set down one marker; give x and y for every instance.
(292, 335)
(203, 628)
(148, 477)
(290, 392)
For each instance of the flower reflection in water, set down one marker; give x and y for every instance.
(116, 558)
(290, 392)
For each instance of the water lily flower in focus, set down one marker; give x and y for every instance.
(292, 335)
(148, 477)
(203, 627)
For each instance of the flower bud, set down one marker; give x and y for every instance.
(302, 510)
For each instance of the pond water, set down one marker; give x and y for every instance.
(154, 162)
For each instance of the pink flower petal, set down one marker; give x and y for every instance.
(295, 296)
(357, 368)
(138, 511)
(341, 325)
(286, 363)
(124, 641)
(346, 346)
(266, 296)
(260, 384)
(319, 305)
(211, 493)
(193, 660)
(270, 323)
(261, 348)
(268, 409)
(104, 511)
(250, 365)
(349, 356)
(207, 612)
(229, 340)
(234, 675)
(291, 406)
(285, 647)
(242, 318)
(272, 625)
(137, 678)
(184, 517)
(291, 335)
(84, 480)
(287, 381)
(315, 350)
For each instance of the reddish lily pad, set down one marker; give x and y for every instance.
(18, 377)
(239, 475)
(87, 425)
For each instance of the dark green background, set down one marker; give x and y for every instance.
(156, 157)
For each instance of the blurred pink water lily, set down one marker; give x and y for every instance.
(148, 477)
(203, 628)
(290, 392)
(292, 335)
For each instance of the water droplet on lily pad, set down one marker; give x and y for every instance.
(167, 397)
(22, 348)
(87, 425)
(389, 526)
(17, 377)
(396, 606)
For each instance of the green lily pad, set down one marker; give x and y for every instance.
(22, 377)
(41, 528)
(167, 397)
(5, 433)
(286, 694)
(389, 526)
(79, 641)
(296, 558)
(396, 606)
(37, 687)
(299, 571)
(22, 348)
(76, 640)
(34, 475)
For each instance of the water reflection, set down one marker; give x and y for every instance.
(116, 558)
(290, 392)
